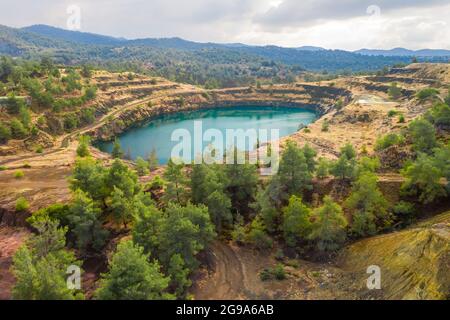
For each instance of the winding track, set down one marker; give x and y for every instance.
(64, 141)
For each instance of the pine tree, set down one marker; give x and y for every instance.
(40, 266)
(117, 152)
(294, 172)
(328, 230)
(176, 183)
(83, 147)
(296, 221)
(179, 275)
(142, 167)
(368, 206)
(322, 168)
(84, 222)
(132, 277)
(152, 160)
(219, 208)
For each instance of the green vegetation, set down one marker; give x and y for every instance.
(152, 160)
(297, 221)
(368, 206)
(328, 229)
(439, 116)
(295, 170)
(394, 91)
(83, 146)
(22, 204)
(391, 139)
(423, 135)
(392, 113)
(19, 174)
(132, 277)
(344, 167)
(117, 152)
(323, 168)
(423, 178)
(40, 267)
(142, 167)
(427, 93)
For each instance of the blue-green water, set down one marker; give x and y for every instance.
(157, 134)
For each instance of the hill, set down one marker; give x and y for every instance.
(75, 47)
(414, 263)
(210, 64)
(402, 52)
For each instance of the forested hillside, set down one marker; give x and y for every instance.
(209, 64)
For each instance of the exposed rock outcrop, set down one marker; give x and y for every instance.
(414, 264)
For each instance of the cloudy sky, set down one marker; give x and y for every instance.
(334, 24)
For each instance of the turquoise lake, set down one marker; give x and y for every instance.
(157, 134)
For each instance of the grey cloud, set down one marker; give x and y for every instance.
(294, 13)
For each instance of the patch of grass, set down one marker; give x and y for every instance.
(306, 130)
(3, 168)
(392, 113)
(39, 149)
(22, 204)
(26, 166)
(401, 119)
(19, 174)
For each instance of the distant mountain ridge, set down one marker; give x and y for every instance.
(74, 36)
(188, 61)
(402, 52)
(179, 43)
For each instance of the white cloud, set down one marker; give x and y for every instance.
(343, 24)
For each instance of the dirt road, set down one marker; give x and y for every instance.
(232, 274)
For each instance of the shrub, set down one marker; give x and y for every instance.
(427, 93)
(22, 204)
(18, 130)
(394, 91)
(157, 183)
(88, 115)
(323, 168)
(392, 113)
(5, 133)
(90, 93)
(265, 275)
(423, 180)
(279, 272)
(142, 167)
(19, 174)
(388, 140)
(3, 168)
(83, 146)
(39, 149)
(258, 235)
(423, 135)
(401, 119)
(439, 115)
(404, 211)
